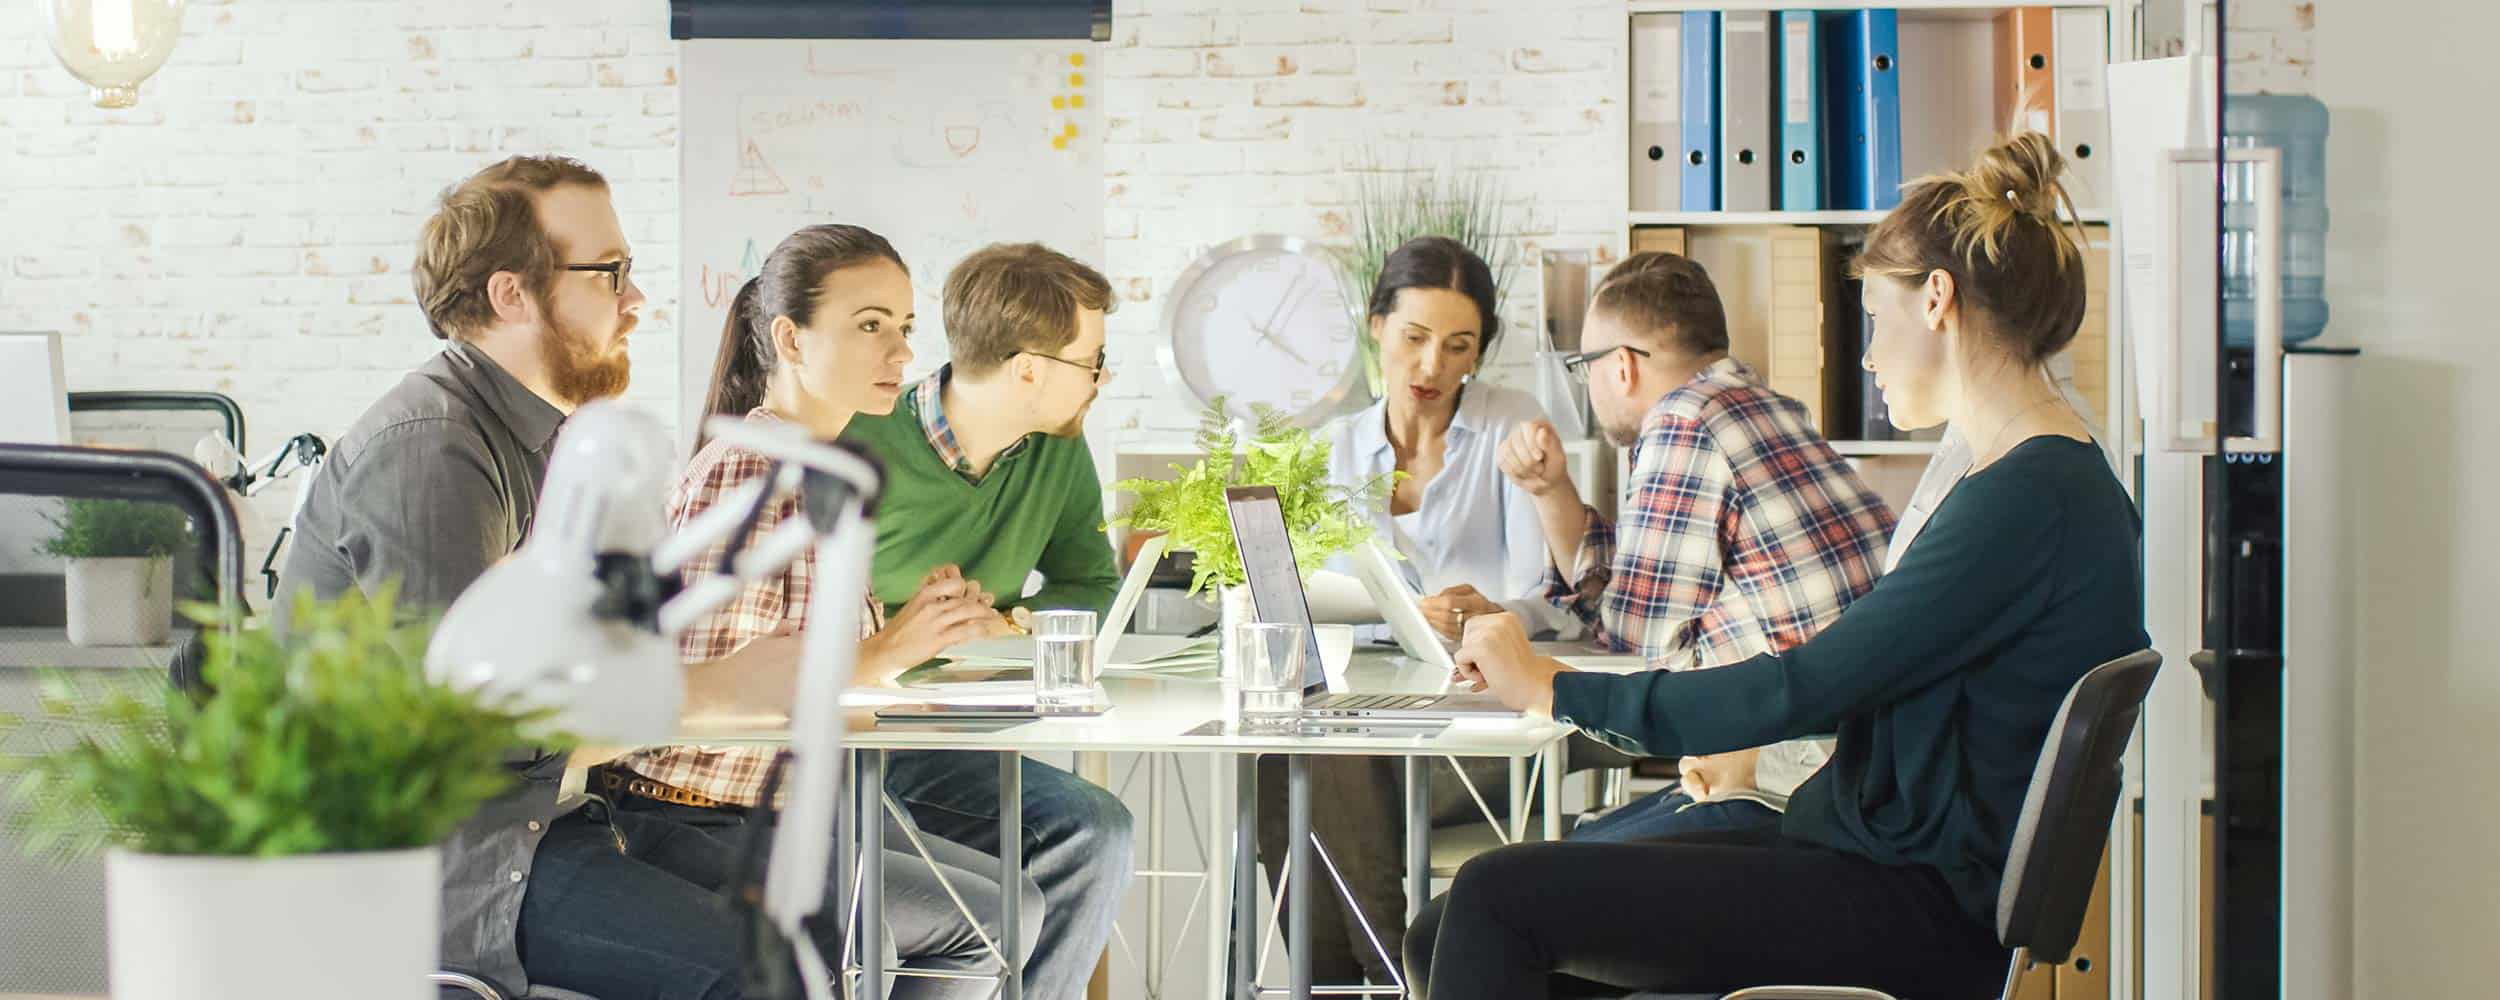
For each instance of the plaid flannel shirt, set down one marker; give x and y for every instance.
(1744, 532)
(734, 774)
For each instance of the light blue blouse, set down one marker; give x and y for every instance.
(1471, 525)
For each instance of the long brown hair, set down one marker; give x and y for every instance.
(1996, 229)
(785, 286)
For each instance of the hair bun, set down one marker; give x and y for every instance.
(2024, 171)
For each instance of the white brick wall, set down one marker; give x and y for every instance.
(1225, 119)
(248, 227)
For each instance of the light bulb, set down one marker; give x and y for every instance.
(112, 45)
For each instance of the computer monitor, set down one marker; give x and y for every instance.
(1275, 580)
(34, 395)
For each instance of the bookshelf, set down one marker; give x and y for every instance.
(1949, 79)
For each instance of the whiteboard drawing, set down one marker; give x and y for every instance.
(754, 176)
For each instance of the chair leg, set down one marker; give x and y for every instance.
(479, 985)
(2015, 967)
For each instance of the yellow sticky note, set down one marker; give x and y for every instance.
(1076, 101)
(1069, 130)
(1059, 142)
(1076, 59)
(1059, 104)
(1076, 79)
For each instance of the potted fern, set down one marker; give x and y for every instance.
(1323, 518)
(275, 837)
(118, 586)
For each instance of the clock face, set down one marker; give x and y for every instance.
(1262, 321)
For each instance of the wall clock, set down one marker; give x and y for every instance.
(1261, 319)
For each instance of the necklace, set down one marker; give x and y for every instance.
(2009, 422)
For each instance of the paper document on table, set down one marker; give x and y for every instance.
(952, 693)
(1339, 599)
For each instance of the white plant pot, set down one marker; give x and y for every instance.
(312, 927)
(119, 602)
(1232, 608)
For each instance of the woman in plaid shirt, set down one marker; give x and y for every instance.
(818, 336)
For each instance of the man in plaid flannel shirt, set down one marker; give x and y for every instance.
(1743, 532)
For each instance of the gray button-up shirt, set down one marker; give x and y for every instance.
(437, 481)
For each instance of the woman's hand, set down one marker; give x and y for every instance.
(1718, 775)
(1448, 610)
(949, 609)
(1496, 657)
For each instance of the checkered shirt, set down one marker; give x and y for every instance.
(1743, 531)
(734, 774)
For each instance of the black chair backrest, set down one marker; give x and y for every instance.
(30, 470)
(2056, 853)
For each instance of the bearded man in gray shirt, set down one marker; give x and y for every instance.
(525, 272)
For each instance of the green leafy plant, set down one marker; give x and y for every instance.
(116, 529)
(331, 739)
(1323, 518)
(1392, 207)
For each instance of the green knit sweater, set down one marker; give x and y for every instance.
(1038, 508)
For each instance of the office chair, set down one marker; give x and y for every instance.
(2056, 852)
(52, 929)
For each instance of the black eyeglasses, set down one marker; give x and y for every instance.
(1578, 364)
(1099, 369)
(618, 271)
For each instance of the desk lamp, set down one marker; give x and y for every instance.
(583, 619)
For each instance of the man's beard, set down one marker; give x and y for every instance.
(579, 371)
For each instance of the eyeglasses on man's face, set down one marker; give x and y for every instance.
(1100, 369)
(619, 271)
(1577, 365)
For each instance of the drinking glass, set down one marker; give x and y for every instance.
(1270, 684)
(1063, 659)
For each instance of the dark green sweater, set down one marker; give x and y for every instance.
(1941, 681)
(1038, 508)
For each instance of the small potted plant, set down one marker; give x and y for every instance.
(1322, 518)
(118, 586)
(282, 827)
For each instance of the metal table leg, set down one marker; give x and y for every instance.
(1245, 936)
(1010, 871)
(1553, 790)
(1220, 890)
(1298, 886)
(1418, 837)
(871, 796)
(1154, 863)
(1518, 799)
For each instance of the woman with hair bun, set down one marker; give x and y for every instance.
(1941, 682)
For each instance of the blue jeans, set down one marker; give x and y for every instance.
(1670, 813)
(643, 919)
(1077, 847)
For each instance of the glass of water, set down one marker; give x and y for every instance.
(1271, 674)
(1063, 659)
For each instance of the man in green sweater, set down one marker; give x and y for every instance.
(985, 460)
(986, 469)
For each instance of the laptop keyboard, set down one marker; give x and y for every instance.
(1368, 702)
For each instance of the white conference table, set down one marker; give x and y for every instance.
(1159, 714)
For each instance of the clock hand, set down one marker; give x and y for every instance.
(1281, 302)
(1269, 336)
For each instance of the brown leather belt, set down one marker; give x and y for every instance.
(618, 782)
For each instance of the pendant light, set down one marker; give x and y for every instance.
(112, 45)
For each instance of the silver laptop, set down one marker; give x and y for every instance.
(1112, 644)
(1276, 596)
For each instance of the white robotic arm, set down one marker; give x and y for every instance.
(583, 619)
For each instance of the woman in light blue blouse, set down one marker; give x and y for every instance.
(1471, 540)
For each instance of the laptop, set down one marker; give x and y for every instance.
(1112, 646)
(1276, 595)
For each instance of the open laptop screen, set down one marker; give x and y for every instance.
(1275, 580)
